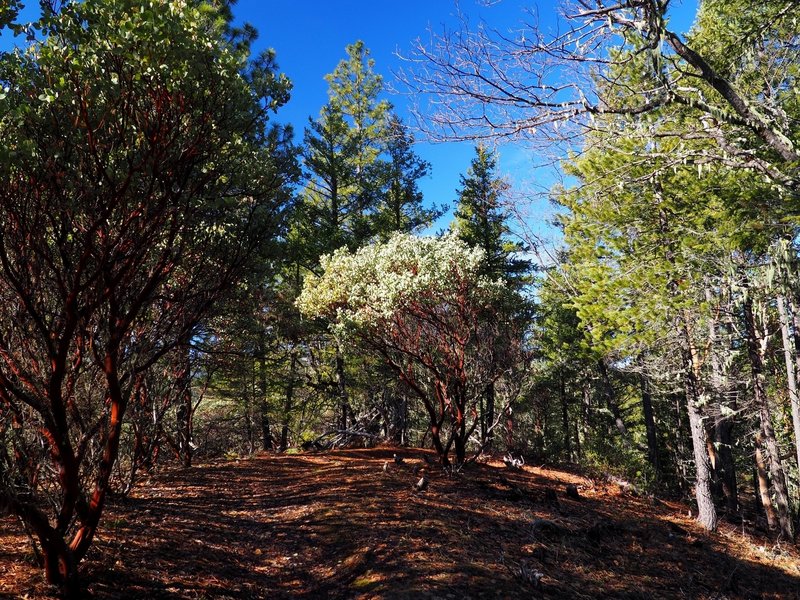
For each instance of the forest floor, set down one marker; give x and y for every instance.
(337, 525)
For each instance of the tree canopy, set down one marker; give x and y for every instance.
(179, 278)
(138, 174)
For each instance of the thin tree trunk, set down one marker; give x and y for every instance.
(795, 315)
(762, 484)
(791, 373)
(696, 398)
(564, 417)
(756, 347)
(539, 426)
(726, 465)
(489, 417)
(681, 452)
(288, 402)
(720, 431)
(404, 436)
(509, 428)
(650, 424)
(183, 377)
(586, 408)
(341, 389)
(90, 515)
(266, 431)
(248, 420)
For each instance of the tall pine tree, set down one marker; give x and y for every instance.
(341, 156)
(401, 203)
(343, 169)
(481, 220)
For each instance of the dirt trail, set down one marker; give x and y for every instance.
(337, 525)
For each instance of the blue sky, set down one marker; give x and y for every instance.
(310, 36)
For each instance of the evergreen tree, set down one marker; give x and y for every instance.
(341, 157)
(354, 90)
(400, 207)
(481, 220)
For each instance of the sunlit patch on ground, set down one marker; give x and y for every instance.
(337, 525)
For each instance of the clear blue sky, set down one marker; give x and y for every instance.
(309, 37)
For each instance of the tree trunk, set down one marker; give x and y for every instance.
(60, 561)
(436, 439)
(488, 418)
(288, 402)
(395, 424)
(341, 389)
(183, 377)
(248, 419)
(650, 425)
(696, 398)
(720, 432)
(586, 409)
(266, 431)
(564, 417)
(756, 348)
(61, 566)
(726, 465)
(762, 484)
(791, 373)
(539, 425)
(794, 313)
(509, 428)
(680, 442)
(460, 446)
(707, 512)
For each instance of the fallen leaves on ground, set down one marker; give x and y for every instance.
(340, 525)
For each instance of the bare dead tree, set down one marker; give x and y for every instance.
(552, 89)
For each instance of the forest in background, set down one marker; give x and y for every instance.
(182, 278)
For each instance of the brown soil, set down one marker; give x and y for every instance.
(337, 525)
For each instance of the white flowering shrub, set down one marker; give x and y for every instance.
(421, 305)
(373, 284)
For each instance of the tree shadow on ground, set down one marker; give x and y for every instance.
(349, 524)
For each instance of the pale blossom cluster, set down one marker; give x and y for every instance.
(374, 283)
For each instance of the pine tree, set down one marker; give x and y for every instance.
(341, 156)
(401, 203)
(481, 220)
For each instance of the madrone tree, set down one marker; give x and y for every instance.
(136, 178)
(422, 305)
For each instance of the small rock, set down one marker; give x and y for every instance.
(544, 528)
(550, 496)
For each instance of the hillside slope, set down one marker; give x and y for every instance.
(337, 525)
